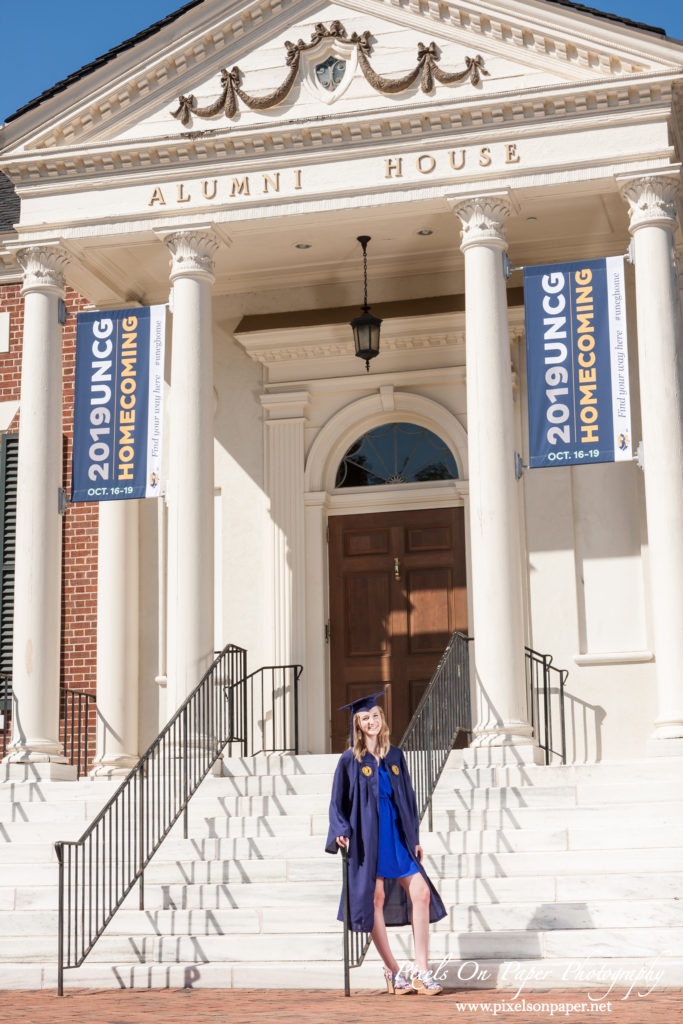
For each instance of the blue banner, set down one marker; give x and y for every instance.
(577, 363)
(118, 404)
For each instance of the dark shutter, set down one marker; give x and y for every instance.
(9, 449)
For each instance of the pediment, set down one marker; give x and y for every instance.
(258, 65)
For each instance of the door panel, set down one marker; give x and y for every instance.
(366, 542)
(429, 609)
(367, 613)
(390, 621)
(434, 539)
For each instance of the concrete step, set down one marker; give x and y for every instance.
(558, 863)
(56, 792)
(269, 785)
(590, 794)
(486, 973)
(283, 764)
(637, 816)
(217, 826)
(622, 773)
(26, 843)
(574, 943)
(321, 919)
(79, 810)
(624, 886)
(511, 796)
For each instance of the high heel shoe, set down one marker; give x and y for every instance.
(425, 984)
(397, 984)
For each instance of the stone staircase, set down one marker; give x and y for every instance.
(553, 876)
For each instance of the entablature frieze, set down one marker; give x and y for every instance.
(444, 331)
(502, 118)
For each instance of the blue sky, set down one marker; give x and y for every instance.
(42, 41)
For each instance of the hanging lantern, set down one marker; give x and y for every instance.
(366, 326)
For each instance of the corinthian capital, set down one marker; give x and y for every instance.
(482, 219)
(43, 266)
(651, 200)
(192, 253)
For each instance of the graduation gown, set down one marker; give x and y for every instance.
(354, 812)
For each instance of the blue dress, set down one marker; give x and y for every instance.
(354, 812)
(393, 859)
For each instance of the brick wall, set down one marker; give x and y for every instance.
(79, 536)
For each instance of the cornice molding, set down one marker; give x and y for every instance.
(569, 50)
(511, 112)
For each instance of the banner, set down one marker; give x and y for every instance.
(118, 404)
(577, 363)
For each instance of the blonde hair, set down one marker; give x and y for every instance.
(383, 741)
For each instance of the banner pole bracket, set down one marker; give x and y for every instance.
(62, 500)
(508, 268)
(519, 466)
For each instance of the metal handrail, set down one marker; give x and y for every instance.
(268, 688)
(540, 687)
(442, 713)
(97, 871)
(77, 705)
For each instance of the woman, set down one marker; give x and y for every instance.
(373, 815)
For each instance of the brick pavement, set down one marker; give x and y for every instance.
(272, 1006)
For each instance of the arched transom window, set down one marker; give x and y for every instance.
(396, 453)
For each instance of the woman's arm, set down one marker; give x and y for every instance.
(340, 807)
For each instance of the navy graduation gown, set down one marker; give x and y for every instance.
(354, 812)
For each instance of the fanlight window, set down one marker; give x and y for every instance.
(396, 453)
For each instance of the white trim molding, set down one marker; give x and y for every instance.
(342, 430)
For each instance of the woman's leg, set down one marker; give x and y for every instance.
(419, 894)
(379, 931)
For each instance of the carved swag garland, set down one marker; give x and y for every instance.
(426, 69)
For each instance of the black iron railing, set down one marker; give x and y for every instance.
(443, 712)
(265, 711)
(77, 706)
(5, 711)
(97, 871)
(545, 698)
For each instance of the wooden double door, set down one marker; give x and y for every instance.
(397, 592)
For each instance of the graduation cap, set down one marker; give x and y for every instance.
(361, 704)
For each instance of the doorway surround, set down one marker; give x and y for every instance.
(322, 500)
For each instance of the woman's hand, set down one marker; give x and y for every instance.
(342, 841)
(418, 853)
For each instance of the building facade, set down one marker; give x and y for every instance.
(313, 512)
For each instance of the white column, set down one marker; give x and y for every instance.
(117, 637)
(284, 470)
(494, 503)
(652, 202)
(316, 723)
(37, 575)
(190, 481)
